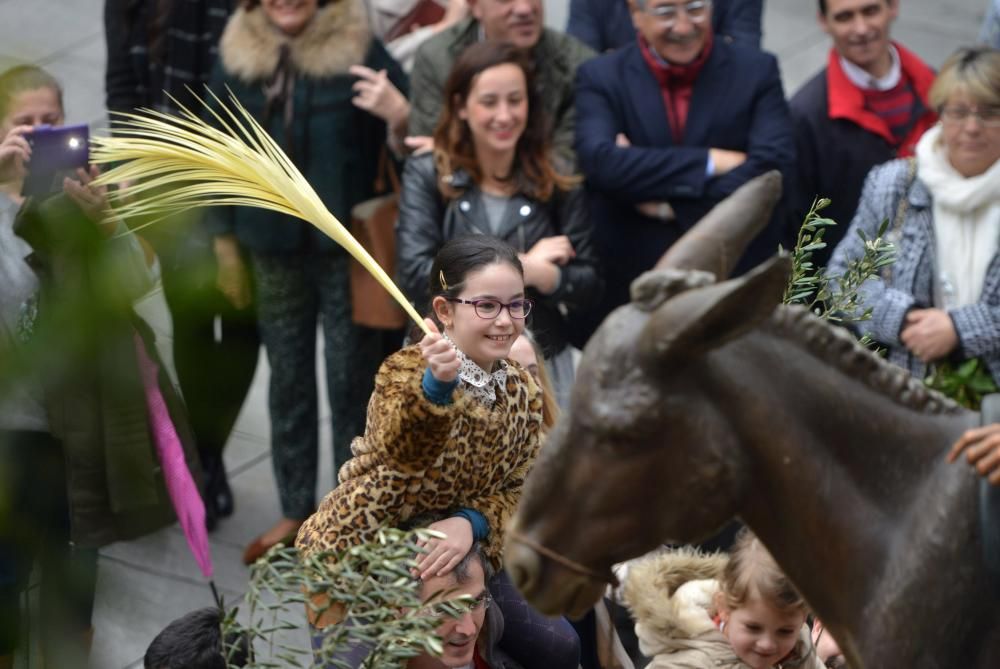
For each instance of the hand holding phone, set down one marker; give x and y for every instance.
(15, 152)
(56, 152)
(92, 200)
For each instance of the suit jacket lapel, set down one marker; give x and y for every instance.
(647, 101)
(709, 89)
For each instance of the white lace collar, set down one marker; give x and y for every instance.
(478, 382)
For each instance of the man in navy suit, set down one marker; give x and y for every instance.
(669, 126)
(606, 25)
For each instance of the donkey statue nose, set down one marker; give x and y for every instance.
(524, 567)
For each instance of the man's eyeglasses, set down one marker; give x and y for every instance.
(482, 602)
(489, 309)
(988, 116)
(695, 10)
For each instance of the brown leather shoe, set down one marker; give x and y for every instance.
(283, 532)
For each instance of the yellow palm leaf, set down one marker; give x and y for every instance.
(181, 162)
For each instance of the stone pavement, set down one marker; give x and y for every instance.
(145, 584)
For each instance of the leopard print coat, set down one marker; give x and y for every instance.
(417, 457)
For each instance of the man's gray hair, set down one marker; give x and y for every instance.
(461, 570)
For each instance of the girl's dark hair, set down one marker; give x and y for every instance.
(533, 173)
(463, 255)
(25, 78)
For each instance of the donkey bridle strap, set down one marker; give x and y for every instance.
(574, 567)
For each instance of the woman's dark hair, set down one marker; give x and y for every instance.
(25, 78)
(533, 173)
(461, 256)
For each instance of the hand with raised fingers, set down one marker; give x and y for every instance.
(444, 553)
(982, 450)
(377, 95)
(440, 354)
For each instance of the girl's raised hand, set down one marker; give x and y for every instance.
(440, 355)
(444, 554)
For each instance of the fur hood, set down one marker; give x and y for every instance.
(338, 37)
(670, 596)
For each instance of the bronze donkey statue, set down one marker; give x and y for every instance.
(701, 401)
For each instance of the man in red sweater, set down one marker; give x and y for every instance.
(869, 105)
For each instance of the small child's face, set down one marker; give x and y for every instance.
(484, 340)
(761, 635)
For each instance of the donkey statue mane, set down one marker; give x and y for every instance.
(842, 350)
(706, 399)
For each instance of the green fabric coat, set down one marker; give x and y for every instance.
(334, 144)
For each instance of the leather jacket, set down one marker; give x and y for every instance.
(427, 221)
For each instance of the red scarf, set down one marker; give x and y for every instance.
(676, 83)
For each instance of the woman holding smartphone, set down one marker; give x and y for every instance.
(70, 480)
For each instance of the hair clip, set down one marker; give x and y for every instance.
(444, 284)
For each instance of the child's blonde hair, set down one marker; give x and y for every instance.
(752, 572)
(550, 408)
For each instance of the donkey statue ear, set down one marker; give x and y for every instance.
(717, 241)
(702, 319)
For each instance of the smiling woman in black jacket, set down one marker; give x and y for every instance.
(491, 173)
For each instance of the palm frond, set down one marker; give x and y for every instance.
(181, 162)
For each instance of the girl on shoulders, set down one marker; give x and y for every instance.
(453, 427)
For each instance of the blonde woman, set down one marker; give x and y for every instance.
(941, 299)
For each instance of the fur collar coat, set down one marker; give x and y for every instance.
(338, 37)
(671, 599)
(417, 457)
(300, 90)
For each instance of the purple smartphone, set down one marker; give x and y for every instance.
(55, 153)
